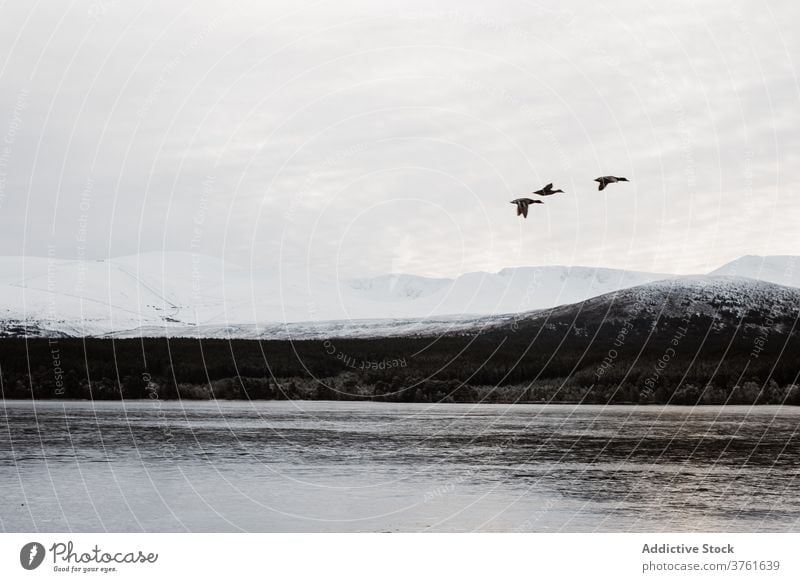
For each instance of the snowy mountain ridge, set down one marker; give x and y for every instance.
(185, 294)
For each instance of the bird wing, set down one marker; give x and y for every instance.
(603, 184)
(548, 187)
(525, 210)
(519, 208)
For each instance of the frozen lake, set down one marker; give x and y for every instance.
(347, 466)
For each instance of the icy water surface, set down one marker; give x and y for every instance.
(346, 466)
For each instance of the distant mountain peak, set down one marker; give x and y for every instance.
(780, 269)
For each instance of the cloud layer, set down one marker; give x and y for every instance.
(362, 138)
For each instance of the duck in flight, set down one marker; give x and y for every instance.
(547, 191)
(522, 205)
(606, 180)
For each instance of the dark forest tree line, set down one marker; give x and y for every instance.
(557, 364)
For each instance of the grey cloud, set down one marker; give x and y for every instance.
(363, 138)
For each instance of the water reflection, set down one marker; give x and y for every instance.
(326, 466)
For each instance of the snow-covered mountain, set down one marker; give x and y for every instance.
(511, 290)
(725, 301)
(184, 294)
(780, 269)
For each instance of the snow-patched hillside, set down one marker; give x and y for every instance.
(682, 297)
(307, 330)
(194, 295)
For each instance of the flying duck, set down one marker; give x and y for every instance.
(522, 205)
(547, 191)
(606, 180)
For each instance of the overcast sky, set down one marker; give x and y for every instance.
(362, 138)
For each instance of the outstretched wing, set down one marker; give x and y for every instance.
(519, 208)
(548, 187)
(524, 209)
(603, 184)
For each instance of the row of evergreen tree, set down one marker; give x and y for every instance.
(450, 369)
